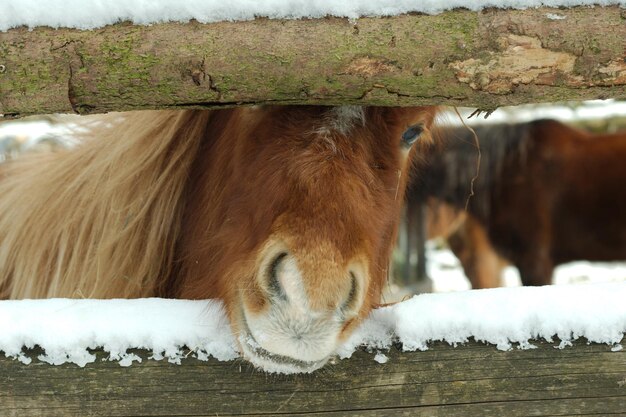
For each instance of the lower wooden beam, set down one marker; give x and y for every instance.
(470, 380)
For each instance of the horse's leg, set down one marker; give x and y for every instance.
(489, 270)
(489, 265)
(482, 265)
(536, 269)
(461, 248)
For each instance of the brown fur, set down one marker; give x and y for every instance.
(185, 204)
(466, 238)
(546, 193)
(481, 263)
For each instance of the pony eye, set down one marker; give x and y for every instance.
(412, 134)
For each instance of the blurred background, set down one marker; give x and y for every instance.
(424, 262)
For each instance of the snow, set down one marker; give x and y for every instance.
(65, 329)
(589, 110)
(17, 137)
(554, 16)
(504, 317)
(90, 14)
(446, 272)
(173, 329)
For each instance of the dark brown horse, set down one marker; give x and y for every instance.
(546, 193)
(287, 214)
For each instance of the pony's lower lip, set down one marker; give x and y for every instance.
(274, 363)
(271, 362)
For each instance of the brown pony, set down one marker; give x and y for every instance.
(546, 194)
(287, 214)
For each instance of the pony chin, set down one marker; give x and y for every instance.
(272, 347)
(274, 363)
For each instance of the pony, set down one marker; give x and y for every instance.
(544, 194)
(288, 214)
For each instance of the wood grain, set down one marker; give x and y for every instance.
(470, 380)
(484, 59)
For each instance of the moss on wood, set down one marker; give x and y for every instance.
(456, 58)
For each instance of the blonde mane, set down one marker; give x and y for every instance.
(105, 221)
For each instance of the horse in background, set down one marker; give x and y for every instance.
(465, 237)
(288, 214)
(545, 194)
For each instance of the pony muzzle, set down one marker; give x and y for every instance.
(286, 326)
(284, 339)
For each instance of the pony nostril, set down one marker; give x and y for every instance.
(272, 275)
(351, 301)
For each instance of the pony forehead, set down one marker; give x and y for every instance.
(343, 118)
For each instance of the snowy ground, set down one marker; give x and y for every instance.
(590, 110)
(446, 272)
(28, 135)
(89, 14)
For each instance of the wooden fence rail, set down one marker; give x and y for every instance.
(484, 59)
(470, 380)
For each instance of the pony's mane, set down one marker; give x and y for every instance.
(103, 223)
(449, 170)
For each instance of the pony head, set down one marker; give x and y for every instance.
(287, 214)
(292, 221)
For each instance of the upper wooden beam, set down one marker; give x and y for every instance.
(483, 59)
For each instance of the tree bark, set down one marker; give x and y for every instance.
(483, 59)
(470, 380)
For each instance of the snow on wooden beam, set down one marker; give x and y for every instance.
(580, 377)
(471, 380)
(484, 59)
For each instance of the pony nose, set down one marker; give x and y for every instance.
(275, 268)
(351, 302)
(339, 290)
(309, 300)
(284, 280)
